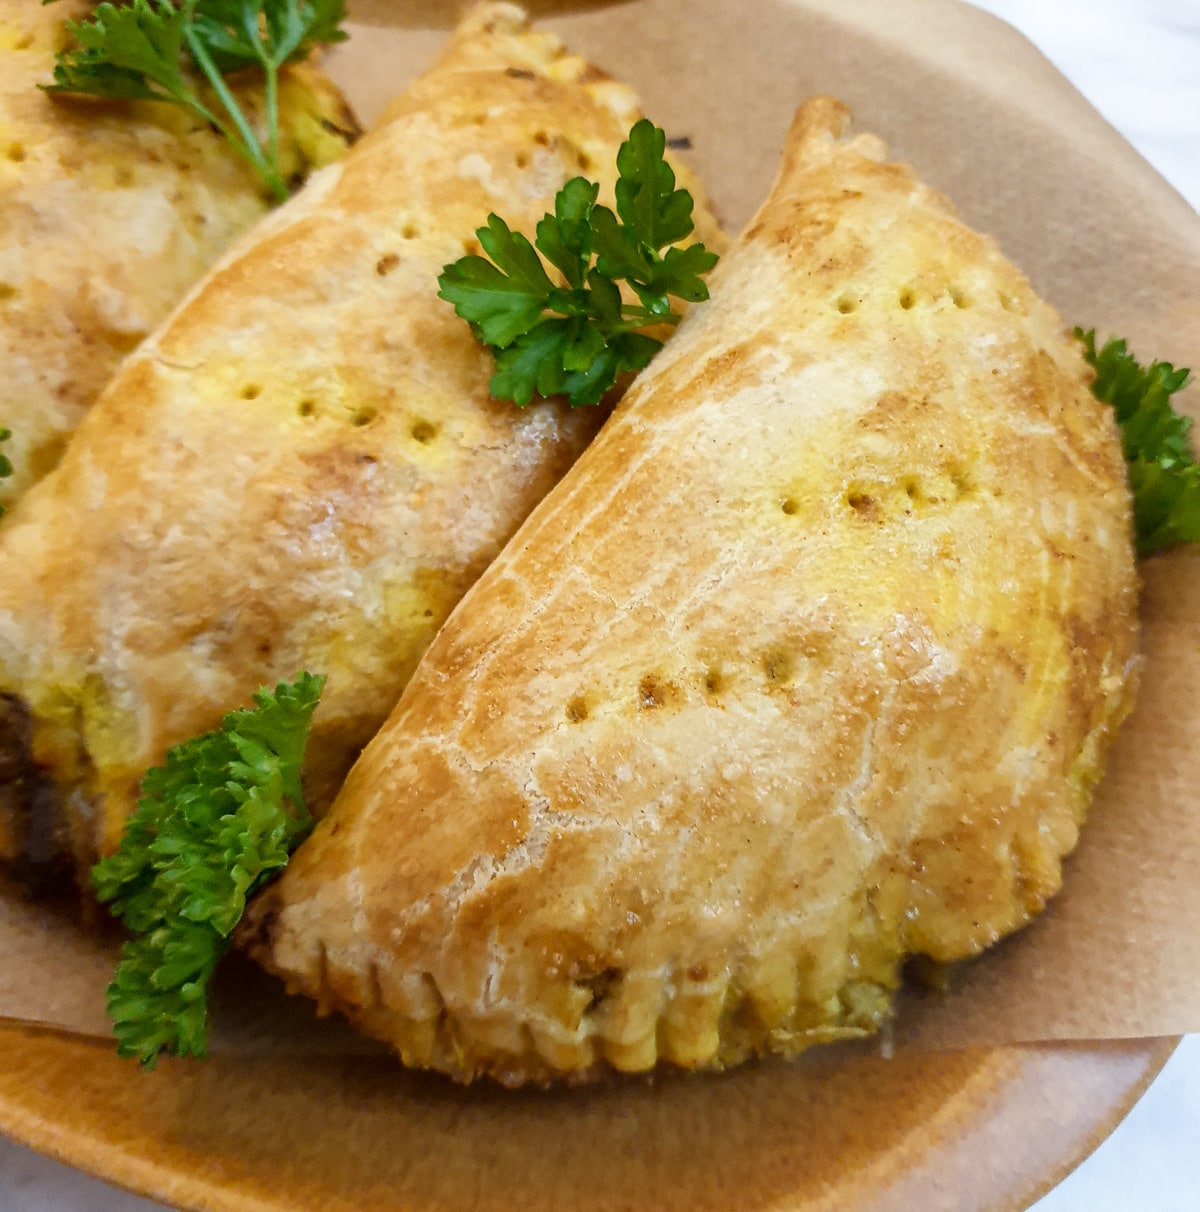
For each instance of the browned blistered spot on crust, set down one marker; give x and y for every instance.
(343, 491)
(592, 74)
(894, 410)
(247, 639)
(863, 504)
(654, 691)
(710, 374)
(806, 233)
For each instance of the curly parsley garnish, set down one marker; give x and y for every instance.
(1163, 473)
(574, 336)
(163, 50)
(210, 828)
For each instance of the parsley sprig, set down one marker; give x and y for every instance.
(6, 467)
(1163, 473)
(212, 824)
(168, 50)
(575, 334)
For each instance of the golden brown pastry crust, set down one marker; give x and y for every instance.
(809, 663)
(303, 468)
(108, 213)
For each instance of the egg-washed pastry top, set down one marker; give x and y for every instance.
(809, 664)
(303, 469)
(108, 213)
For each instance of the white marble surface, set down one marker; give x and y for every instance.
(1136, 61)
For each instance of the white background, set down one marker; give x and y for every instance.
(1138, 62)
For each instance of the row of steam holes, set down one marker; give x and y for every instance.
(907, 299)
(15, 154)
(470, 246)
(777, 667)
(861, 501)
(421, 431)
(865, 503)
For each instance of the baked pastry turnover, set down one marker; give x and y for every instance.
(108, 213)
(809, 664)
(303, 469)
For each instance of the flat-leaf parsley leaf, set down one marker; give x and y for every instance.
(1163, 473)
(574, 334)
(212, 825)
(164, 50)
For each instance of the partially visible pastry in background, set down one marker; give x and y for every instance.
(109, 212)
(304, 468)
(809, 664)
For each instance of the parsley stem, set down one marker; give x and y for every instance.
(211, 119)
(247, 142)
(253, 29)
(273, 113)
(637, 316)
(633, 317)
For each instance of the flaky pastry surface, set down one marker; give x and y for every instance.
(809, 664)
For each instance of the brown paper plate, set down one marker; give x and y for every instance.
(989, 121)
(977, 1131)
